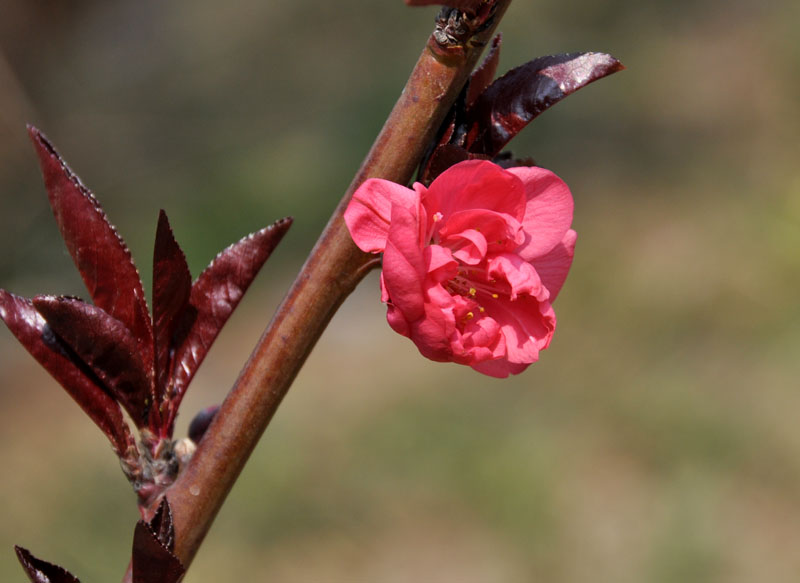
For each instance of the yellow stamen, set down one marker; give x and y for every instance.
(472, 291)
(469, 316)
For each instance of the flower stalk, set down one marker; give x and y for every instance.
(330, 274)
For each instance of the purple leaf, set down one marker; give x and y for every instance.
(484, 75)
(40, 571)
(215, 294)
(516, 98)
(153, 560)
(31, 329)
(443, 157)
(106, 346)
(172, 284)
(471, 6)
(97, 250)
(162, 524)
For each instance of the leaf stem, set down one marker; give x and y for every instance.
(330, 273)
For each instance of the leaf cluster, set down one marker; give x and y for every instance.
(111, 355)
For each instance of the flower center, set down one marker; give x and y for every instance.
(474, 289)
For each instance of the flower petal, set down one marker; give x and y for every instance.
(548, 212)
(481, 340)
(554, 266)
(370, 211)
(471, 247)
(432, 333)
(527, 325)
(404, 265)
(520, 275)
(476, 184)
(397, 321)
(439, 263)
(499, 368)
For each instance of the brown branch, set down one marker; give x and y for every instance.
(331, 272)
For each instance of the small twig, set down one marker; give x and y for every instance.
(331, 272)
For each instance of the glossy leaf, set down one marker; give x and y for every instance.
(516, 98)
(172, 284)
(215, 294)
(153, 560)
(40, 571)
(162, 524)
(106, 346)
(33, 332)
(483, 76)
(99, 253)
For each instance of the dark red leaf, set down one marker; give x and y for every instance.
(215, 294)
(466, 5)
(98, 251)
(484, 75)
(172, 284)
(442, 158)
(153, 560)
(162, 525)
(106, 346)
(516, 98)
(40, 571)
(31, 329)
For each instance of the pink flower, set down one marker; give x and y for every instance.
(472, 264)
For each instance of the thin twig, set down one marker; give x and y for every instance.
(331, 272)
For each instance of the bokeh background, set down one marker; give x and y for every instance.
(657, 440)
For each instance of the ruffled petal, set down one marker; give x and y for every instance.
(432, 332)
(527, 326)
(521, 276)
(553, 267)
(482, 339)
(397, 321)
(476, 184)
(404, 265)
(369, 213)
(470, 246)
(501, 231)
(439, 263)
(500, 368)
(548, 212)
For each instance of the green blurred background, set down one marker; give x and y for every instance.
(656, 441)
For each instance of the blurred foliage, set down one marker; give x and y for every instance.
(655, 441)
